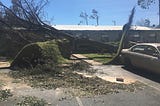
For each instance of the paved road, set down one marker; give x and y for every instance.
(150, 96)
(148, 78)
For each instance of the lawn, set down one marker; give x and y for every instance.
(102, 58)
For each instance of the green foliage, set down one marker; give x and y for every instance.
(50, 51)
(66, 78)
(80, 66)
(38, 53)
(65, 47)
(32, 101)
(44, 69)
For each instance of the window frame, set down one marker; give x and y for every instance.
(144, 51)
(137, 50)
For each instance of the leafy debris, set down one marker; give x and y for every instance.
(32, 101)
(65, 78)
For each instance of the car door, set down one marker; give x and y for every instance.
(152, 59)
(137, 56)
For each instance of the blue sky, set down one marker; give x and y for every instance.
(66, 12)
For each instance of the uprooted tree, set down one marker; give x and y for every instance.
(26, 17)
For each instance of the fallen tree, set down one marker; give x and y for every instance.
(22, 24)
(24, 15)
(40, 53)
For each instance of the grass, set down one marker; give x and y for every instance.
(102, 58)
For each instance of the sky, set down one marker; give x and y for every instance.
(66, 12)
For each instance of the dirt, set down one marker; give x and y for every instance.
(11, 83)
(126, 80)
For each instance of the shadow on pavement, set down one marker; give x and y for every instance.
(4, 68)
(144, 73)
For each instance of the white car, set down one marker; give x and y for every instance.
(143, 55)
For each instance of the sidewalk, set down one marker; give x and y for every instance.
(85, 59)
(4, 63)
(110, 73)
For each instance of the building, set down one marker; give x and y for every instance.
(111, 33)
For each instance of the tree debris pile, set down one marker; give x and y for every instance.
(32, 101)
(4, 93)
(65, 78)
(38, 53)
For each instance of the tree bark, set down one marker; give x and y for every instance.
(126, 28)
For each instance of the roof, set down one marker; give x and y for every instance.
(89, 27)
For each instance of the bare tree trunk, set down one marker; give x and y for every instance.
(126, 28)
(97, 20)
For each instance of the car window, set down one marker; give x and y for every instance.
(139, 49)
(150, 50)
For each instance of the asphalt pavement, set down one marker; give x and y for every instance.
(149, 96)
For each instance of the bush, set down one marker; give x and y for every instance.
(38, 53)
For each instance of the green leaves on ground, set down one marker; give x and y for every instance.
(32, 101)
(4, 94)
(65, 78)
